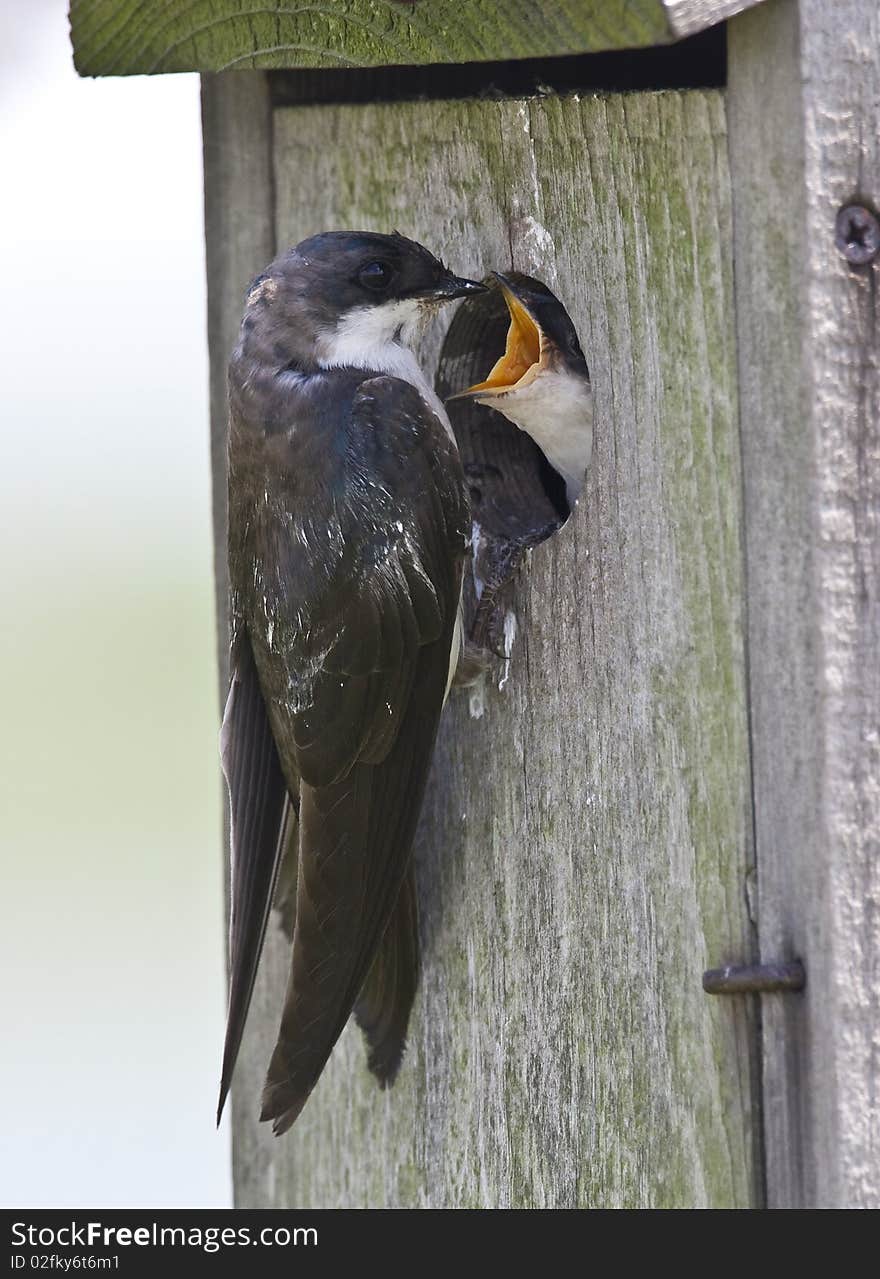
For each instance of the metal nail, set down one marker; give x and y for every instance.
(762, 979)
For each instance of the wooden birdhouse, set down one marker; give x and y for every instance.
(674, 766)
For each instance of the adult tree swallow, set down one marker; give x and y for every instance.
(348, 525)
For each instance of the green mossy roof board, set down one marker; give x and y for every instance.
(137, 37)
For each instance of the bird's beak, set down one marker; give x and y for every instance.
(452, 287)
(523, 353)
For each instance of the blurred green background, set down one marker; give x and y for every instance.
(111, 969)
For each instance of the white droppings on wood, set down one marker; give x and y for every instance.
(476, 543)
(538, 236)
(477, 697)
(509, 635)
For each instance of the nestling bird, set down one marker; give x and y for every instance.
(541, 383)
(348, 525)
(524, 483)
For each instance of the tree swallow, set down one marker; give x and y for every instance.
(523, 483)
(348, 525)
(541, 383)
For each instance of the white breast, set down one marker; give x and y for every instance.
(376, 338)
(556, 410)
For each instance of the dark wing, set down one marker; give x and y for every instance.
(285, 887)
(380, 617)
(260, 811)
(386, 999)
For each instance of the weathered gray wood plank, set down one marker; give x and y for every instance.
(585, 849)
(239, 241)
(687, 17)
(810, 405)
(124, 37)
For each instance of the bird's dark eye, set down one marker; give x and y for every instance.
(375, 276)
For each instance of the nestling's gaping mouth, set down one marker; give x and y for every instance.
(524, 352)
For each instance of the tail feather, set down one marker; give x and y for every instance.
(386, 999)
(355, 853)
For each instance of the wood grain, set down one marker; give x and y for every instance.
(686, 17)
(239, 241)
(126, 37)
(585, 849)
(810, 403)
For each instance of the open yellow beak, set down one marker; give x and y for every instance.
(522, 353)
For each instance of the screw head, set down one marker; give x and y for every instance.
(857, 234)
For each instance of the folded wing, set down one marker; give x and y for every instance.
(259, 807)
(362, 596)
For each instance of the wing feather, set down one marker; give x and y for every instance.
(364, 589)
(385, 1002)
(259, 811)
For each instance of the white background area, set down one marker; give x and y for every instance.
(112, 937)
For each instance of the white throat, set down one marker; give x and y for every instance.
(556, 410)
(377, 338)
